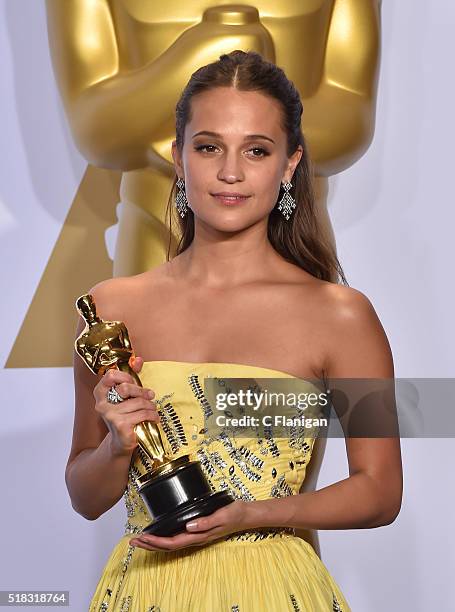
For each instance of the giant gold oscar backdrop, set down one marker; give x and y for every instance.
(120, 66)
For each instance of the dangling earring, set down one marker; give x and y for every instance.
(180, 199)
(287, 203)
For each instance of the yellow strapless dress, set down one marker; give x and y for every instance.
(269, 569)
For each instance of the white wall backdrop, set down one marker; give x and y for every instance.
(393, 217)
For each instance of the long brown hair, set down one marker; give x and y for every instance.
(299, 240)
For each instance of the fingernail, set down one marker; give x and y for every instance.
(150, 394)
(191, 525)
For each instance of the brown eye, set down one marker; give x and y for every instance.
(201, 147)
(262, 152)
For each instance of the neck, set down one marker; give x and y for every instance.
(220, 260)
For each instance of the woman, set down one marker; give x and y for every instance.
(252, 292)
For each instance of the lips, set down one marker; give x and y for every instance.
(230, 198)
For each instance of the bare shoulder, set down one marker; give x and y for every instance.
(346, 304)
(111, 296)
(117, 298)
(357, 342)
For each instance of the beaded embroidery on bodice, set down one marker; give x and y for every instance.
(249, 468)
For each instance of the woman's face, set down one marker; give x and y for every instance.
(234, 144)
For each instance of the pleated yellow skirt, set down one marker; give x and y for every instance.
(273, 574)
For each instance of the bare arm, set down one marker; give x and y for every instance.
(371, 495)
(91, 456)
(97, 470)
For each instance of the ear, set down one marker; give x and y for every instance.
(292, 164)
(177, 160)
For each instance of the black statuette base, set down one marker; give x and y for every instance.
(179, 495)
(172, 523)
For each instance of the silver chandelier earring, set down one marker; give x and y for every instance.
(287, 203)
(180, 199)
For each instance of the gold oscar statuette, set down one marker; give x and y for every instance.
(175, 490)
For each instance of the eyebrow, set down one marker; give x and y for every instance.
(248, 137)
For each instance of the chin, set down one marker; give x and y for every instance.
(235, 223)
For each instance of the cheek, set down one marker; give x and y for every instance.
(199, 177)
(268, 185)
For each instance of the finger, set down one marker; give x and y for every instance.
(139, 544)
(114, 377)
(111, 378)
(133, 404)
(136, 363)
(128, 390)
(180, 540)
(205, 523)
(138, 416)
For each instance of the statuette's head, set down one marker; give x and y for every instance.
(86, 307)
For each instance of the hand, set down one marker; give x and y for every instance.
(215, 34)
(225, 520)
(122, 418)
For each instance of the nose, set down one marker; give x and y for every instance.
(230, 169)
